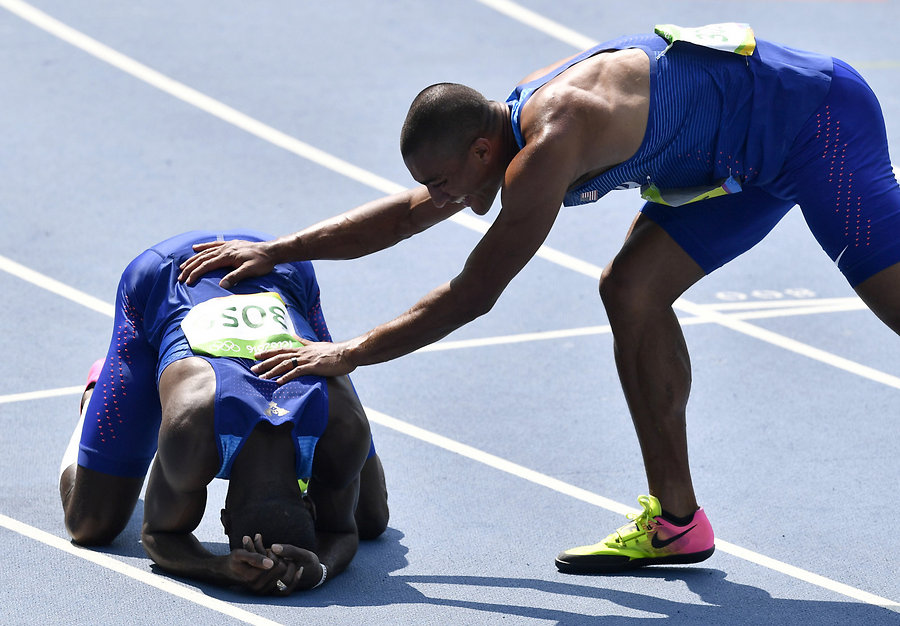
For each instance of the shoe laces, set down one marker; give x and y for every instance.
(641, 522)
(642, 519)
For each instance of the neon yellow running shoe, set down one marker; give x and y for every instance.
(648, 540)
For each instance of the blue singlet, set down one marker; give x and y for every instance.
(123, 415)
(791, 127)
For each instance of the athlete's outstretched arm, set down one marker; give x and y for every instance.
(535, 186)
(366, 229)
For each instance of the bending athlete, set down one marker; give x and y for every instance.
(722, 132)
(178, 373)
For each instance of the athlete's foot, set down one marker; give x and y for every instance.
(649, 539)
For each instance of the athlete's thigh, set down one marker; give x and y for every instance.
(845, 182)
(372, 512)
(123, 414)
(715, 231)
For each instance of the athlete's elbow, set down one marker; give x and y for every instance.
(476, 304)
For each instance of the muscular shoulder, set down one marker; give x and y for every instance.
(597, 107)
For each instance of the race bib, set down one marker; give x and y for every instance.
(239, 326)
(730, 37)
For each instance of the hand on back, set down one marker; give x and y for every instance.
(248, 258)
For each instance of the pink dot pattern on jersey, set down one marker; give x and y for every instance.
(317, 321)
(847, 203)
(111, 416)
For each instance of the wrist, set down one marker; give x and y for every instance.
(353, 352)
(323, 577)
(284, 249)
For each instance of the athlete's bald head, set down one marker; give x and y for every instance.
(263, 495)
(446, 117)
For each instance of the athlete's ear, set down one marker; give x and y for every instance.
(482, 149)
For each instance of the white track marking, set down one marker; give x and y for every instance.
(148, 578)
(41, 395)
(541, 23)
(844, 304)
(616, 507)
(811, 307)
(798, 347)
(195, 98)
(53, 285)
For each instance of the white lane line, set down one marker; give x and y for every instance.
(810, 308)
(276, 137)
(616, 507)
(41, 395)
(53, 285)
(800, 310)
(195, 98)
(837, 305)
(798, 347)
(852, 302)
(541, 23)
(148, 578)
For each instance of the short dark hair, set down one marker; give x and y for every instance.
(446, 115)
(279, 519)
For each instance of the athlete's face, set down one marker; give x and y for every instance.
(464, 179)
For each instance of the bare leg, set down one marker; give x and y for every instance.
(881, 293)
(97, 506)
(371, 509)
(638, 289)
(372, 512)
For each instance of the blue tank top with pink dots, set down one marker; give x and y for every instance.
(713, 114)
(122, 418)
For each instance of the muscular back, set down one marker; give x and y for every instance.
(597, 108)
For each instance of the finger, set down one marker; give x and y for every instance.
(198, 257)
(207, 245)
(248, 544)
(291, 375)
(203, 265)
(288, 580)
(258, 543)
(276, 364)
(264, 584)
(231, 279)
(189, 265)
(253, 559)
(267, 582)
(287, 551)
(268, 354)
(202, 252)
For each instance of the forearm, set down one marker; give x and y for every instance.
(366, 229)
(335, 551)
(181, 554)
(435, 316)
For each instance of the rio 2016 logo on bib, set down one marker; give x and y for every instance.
(240, 326)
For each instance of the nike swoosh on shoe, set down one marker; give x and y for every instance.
(658, 543)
